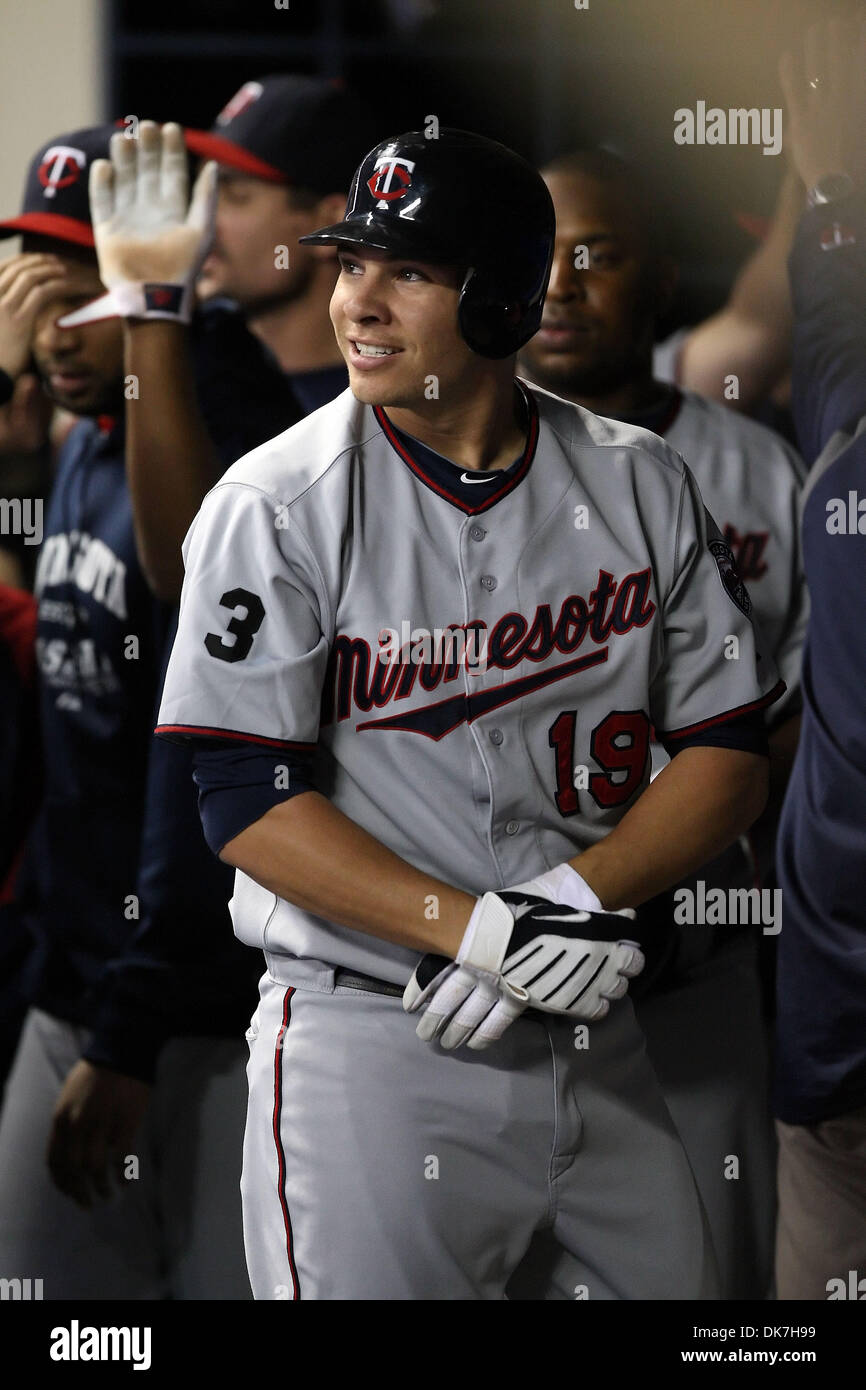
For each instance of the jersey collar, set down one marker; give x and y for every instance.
(659, 417)
(444, 477)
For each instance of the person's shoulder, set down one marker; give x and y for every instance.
(581, 429)
(83, 441)
(220, 320)
(224, 347)
(296, 461)
(734, 430)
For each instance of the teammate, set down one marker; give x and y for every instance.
(281, 146)
(93, 607)
(594, 347)
(367, 802)
(820, 1081)
(173, 1227)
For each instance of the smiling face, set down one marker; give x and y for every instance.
(81, 368)
(396, 325)
(597, 328)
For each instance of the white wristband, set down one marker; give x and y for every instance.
(136, 301)
(563, 884)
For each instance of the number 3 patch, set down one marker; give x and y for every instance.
(731, 581)
(243, 629)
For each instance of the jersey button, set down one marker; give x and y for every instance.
(512, 827)
(496, 736)
(488, 581)
(477, 533)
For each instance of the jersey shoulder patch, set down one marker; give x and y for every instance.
(731, 581)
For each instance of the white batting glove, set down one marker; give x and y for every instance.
(151, 237)
(565, 961)
(460, 1004)
(563, 884)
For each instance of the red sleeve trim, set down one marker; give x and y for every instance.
(770, 699)
(202, 731)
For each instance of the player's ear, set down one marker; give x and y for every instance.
(328, 210)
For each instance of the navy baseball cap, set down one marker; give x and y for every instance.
(300, 131)
(55, 201)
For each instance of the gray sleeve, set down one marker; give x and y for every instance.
(249, 658)
(714, 662)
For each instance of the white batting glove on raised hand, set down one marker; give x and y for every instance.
(151, 237)
(521, 950)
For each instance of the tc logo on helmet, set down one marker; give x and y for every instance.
(61, 165)
(391, 180)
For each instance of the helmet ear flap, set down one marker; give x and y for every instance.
(491, 321)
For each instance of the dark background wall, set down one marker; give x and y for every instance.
(538, 74)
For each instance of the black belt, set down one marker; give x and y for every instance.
(350, 979)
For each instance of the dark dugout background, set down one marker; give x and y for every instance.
(540, 75)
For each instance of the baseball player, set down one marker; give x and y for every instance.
(595, 348)
(423, 638)
(169, 1221)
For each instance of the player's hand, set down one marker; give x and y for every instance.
(151, 236)
(520, 949)
(27, 283)
(461, 1005)
(825, 97)
(96, 1119)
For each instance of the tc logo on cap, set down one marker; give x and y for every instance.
(391, 179)
(249, 92)
(61, 165)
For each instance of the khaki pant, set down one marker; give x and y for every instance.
(821, 1231)
(175, 1232)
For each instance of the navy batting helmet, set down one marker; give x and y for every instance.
(465, 200)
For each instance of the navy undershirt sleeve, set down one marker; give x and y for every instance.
(747, 732)
(237, 784)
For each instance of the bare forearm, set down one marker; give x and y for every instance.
(761, 288)
(750, 337)
(170, 460)
(309, 853)
(694, 809)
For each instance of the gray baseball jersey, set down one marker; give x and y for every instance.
(331, 581)
(751, 482)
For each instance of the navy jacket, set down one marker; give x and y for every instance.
(821, 856)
